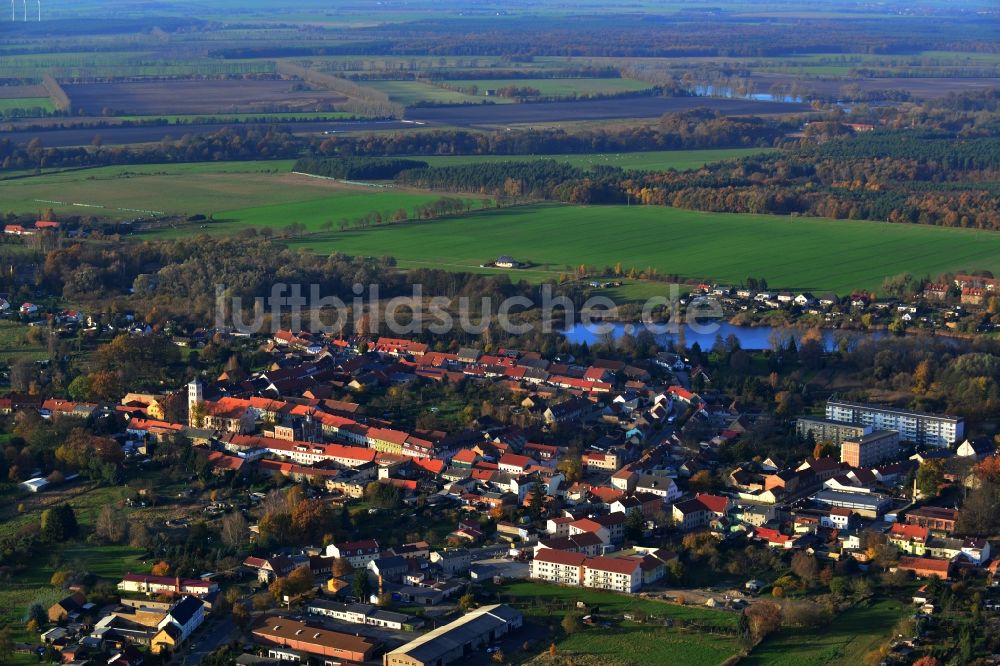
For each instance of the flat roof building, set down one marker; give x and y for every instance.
(455, 641)
(867, 505)
(301, 637)
(938, 430)
(825, 429)
(871, 449)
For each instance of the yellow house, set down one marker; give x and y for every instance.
(152, 402)
(386, 440)
(166, 639)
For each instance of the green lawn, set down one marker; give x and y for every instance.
(554, 598)
(635, 645)
(655, 160)
(842, 643)
(14, 344)
(794, 253)
(555, 87)
(624, 643)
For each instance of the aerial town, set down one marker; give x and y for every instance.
(500, 333)
(278, 515)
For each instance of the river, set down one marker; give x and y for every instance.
(756, 337)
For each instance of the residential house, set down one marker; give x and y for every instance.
(661, 486)
(695, 514)
(925, 567)
(910, 539)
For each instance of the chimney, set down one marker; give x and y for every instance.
(177, 584)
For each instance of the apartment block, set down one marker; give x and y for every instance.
(937, 430)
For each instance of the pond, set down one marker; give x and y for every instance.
(750, 337)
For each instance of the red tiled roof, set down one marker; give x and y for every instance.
(622, 565)
(515, 460)
(560, 557)
(910, 532)
(714, 503)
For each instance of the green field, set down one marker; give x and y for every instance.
(14, 345)
(656, 160)
(625, 642)
(844, 642)
(347, 205)
(554, 87)
(254, 193)
(795, 253)
(412, 92)
(25, 103)
(31, 585)
(609, 603)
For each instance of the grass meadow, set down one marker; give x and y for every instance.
(842, 643)
(555, 87)
(412, 92)
(794, 253)
(624, 642)
(26, 103)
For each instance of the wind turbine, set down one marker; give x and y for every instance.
(25, 3)
(13, 16)
(39, 11)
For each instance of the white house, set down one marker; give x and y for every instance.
(187, 615)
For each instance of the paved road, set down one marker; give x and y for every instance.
(212, 635)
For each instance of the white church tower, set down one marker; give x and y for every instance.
(195, 396)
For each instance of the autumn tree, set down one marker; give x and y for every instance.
(571, 467)
(570, 623)
(805, 567)
(700, 481)
(765, 617)
(930, 476)
(234, 530)
(111, 526)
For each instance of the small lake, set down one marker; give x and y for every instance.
(719, 91)
(758, 337)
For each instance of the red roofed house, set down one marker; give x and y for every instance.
(911, 539)
(925, 567)
(358, 553)
(147, 584)
(774, 538)
(620, 574)
(513, 463)
(697, 513)
(557, 566)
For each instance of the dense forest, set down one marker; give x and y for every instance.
(356, 168)
(942, 173)
(638, 35)
(230, 143)
(177, 279)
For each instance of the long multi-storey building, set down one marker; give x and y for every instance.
(620, 574)
(936, 430)
(826, 430)
(871, 449)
